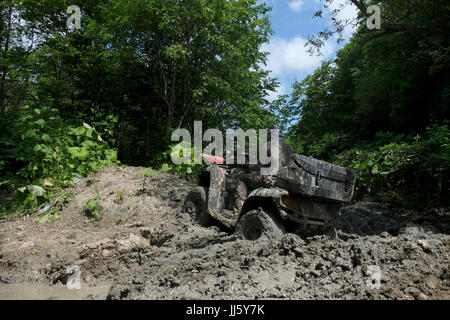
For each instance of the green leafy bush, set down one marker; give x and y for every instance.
(415, 173)
(148, 173)
(120, 196)
(93, 209)
(187, 171)
(49, 217)
(47, 147)
(329, 144)
(42, 152)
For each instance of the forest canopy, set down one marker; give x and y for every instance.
(155, 65)
(72, 101)
(382, 105)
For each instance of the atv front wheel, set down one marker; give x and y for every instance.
(259, 225)
(196, 206)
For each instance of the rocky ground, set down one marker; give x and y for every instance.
(146, 248)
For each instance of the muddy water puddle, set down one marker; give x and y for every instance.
(42, 291)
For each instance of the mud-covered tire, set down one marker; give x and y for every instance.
(259, 225)
(196, 206)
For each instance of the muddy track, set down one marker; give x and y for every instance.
(146, 248)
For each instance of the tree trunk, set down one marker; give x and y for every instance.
(5, 67)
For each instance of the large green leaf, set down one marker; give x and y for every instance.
(45, 137)
(40, 122)
(36, 190)
(83, 154)
(375, 169)
(28, 134)
(78, 131)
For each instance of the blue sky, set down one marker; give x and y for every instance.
(292, 22)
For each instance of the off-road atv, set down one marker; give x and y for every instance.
(304, 197)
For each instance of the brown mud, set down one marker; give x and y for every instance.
(146, 248)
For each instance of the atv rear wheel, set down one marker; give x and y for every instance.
(259, 225)
(196, 206)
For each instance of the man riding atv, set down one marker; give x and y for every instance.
(304, 195)
(243, 178)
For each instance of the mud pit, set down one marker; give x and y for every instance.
(146, 248)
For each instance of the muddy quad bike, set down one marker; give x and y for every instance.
(304, 197)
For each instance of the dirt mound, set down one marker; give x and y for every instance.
(146, 248)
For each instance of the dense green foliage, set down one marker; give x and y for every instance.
(73, 102)
(51, 148)
(40, 151)
(135, 71)
(382, 106)
(415, 172)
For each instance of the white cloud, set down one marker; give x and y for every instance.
(296, 5)
(273, 95)
(347, 11)
(290, 56)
